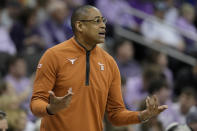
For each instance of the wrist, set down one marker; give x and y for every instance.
(144, 116)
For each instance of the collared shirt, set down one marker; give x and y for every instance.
(95, 81)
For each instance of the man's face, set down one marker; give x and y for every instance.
(125, 52)
(94, 29)
(19, 68)
(186, 103)
(3, 125)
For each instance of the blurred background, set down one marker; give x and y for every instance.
(154, 43)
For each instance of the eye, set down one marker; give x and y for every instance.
(104, 20)
(97, 21)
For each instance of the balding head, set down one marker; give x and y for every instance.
(79, 14)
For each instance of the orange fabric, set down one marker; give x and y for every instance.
(85, 113)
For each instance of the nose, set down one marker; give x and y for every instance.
(103, 25)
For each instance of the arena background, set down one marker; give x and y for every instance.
(154, 43)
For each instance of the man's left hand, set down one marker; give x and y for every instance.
(152, 109)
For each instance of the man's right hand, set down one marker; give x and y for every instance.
(58, 103)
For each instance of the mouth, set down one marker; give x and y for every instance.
(102, 34)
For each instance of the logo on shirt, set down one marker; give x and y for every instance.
(39, 66)
(72, 60)
(101, 66)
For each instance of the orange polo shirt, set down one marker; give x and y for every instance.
(95, 81)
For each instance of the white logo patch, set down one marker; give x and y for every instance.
(39, 66)
(72, 60)
(101, 66)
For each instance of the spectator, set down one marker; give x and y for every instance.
(17, 79)
(25, 33)
(191, 118)
(6, 43)
(161, 59)
(53, 30)
(124, 56)
(17, 120)
(3, 121)
(185, 23)
(187, 77)
(172, 12)
(10, 13)
(8, 98)
(119, 13)
(155, 30)
(136, 87)
(41, 7)
(160, 88)
(21, 85)
(186, 102)
(145, 6)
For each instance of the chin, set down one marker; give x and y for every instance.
(101, 41)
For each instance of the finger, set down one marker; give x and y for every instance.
(152, 105)
(156, 101)
(67, 99)
(51, 94)
(162, 108)
(70, 91)
(67, 96)
(149, 104)
(67, 102)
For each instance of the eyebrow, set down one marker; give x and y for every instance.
(98, 17)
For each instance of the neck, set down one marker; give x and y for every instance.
(88, 45)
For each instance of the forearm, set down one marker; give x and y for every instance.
(38, 107)
(124, 117)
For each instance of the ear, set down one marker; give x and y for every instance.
(79, 26)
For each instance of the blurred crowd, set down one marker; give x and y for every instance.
(29, 27)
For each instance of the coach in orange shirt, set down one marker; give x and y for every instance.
(76, 81)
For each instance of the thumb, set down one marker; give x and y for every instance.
(51, 94)
(162, 108)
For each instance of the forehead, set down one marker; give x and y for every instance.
(93, 13)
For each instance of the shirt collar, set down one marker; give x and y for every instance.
(79, 45)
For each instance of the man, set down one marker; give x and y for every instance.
(89, 75)
(191, 118)
(3, 121)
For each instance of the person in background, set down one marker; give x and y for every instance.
(172, 12)
(119, 14)
(41, 10)
(6, 43)
(161, 59)
(191, 118)
(53, 30)
(25, 33)
(3, 121)
(7, 46)
(157, 31)
(159, 86)
(185, 104)
(21, 85)
(185, 24)
(11, 13)
(124, 56)
(137, 87)
(186, 77)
